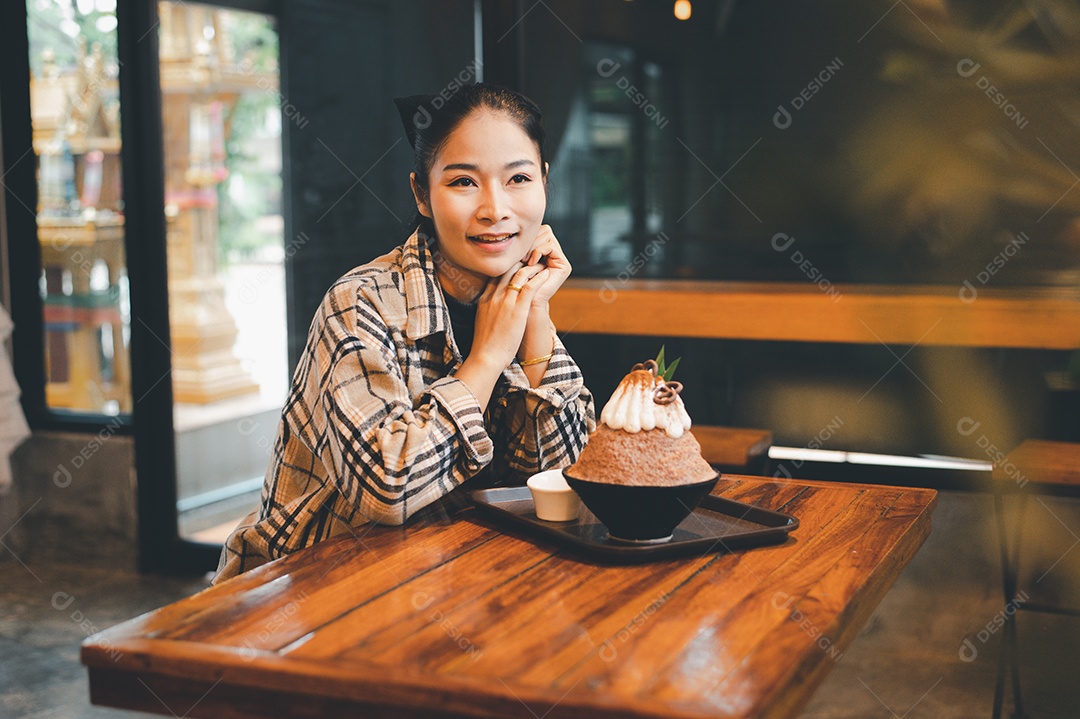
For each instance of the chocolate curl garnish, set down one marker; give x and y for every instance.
(648, 364)
(667, 392)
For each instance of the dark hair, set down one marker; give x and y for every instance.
(430, 120)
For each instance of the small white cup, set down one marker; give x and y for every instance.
(552, 496)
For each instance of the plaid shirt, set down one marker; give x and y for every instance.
(376, 426)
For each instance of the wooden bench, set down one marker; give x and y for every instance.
(1054, 464)
(731, 448)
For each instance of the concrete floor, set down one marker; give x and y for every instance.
(905, 664)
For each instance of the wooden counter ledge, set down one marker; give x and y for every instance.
(802, 312)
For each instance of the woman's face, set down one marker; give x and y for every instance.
(487, 201)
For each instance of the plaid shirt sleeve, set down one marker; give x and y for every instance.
(543, 427)
(388, 454)
(363, 436)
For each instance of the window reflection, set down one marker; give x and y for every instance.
(606, 175)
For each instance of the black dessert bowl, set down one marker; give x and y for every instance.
(641, 515)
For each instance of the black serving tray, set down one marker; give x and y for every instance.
(717, 525)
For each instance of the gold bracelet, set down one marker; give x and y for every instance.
(536, 360)
(545, 358)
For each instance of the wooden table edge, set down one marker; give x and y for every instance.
(853, 618)
(119, 668)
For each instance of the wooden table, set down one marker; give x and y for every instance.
(456, 618)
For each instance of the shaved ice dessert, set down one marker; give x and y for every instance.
(644, 438)
(641, 472)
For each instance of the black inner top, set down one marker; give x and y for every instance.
(462, 322)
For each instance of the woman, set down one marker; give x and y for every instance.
(437, 360)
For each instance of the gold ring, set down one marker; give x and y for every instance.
(515, 288)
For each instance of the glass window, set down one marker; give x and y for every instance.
(75, 113)
(222, 120)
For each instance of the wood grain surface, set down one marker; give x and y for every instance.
(1043, 462)
(454, 617)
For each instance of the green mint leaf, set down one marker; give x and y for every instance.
(670, 371)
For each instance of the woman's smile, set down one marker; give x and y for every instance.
(494, 243)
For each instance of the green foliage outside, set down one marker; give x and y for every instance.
(255, 42)
(47, 21)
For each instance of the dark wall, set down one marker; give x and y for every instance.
(347, 158)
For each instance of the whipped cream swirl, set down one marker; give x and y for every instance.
(643, 401)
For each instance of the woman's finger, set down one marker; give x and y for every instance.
(559, 268)
(538, 280)
(507, 277)
(554, 250)
(534, 255)
(541, 245)
(522, 276)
